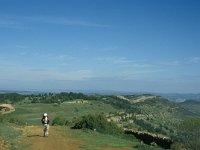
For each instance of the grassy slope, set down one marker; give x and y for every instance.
(9, 134)
(99, 141)
(31, 114)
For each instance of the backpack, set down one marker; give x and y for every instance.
(45, 120)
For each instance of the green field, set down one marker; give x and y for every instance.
(32, 113)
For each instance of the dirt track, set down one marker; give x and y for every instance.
(56, 140)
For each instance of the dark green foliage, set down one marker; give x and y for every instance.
(98, 123)
(45, 97)
(60, 97)
(145, 125)
(162, 129)
(10, 97)
(189, 133)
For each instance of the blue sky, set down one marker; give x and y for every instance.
(122, 45)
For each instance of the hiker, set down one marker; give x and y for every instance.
(45, 121)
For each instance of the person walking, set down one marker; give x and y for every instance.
(45, 121)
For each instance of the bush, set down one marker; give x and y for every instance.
(97, 122)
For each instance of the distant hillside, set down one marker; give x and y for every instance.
(180, 97)
(191, 105)
(149, 113)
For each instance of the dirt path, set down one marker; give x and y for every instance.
(56, 140)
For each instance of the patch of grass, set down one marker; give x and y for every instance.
(8, 133)
(98, 141)
(146, 147)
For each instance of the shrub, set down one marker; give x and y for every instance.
(97, 122)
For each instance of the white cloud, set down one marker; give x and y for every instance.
(21, 46)
(58, 75)
(59, 57)
(27, 74)
(125, 62)
(12, 22)
(122, 61)
(65, 21)
(171, 63)
(186, 61)
(8, 20)
(138, 74)
(110, 48)
(115, 60)
(194, 60)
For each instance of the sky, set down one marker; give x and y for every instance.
(117, 45)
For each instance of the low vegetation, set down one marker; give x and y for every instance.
(98, 123)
